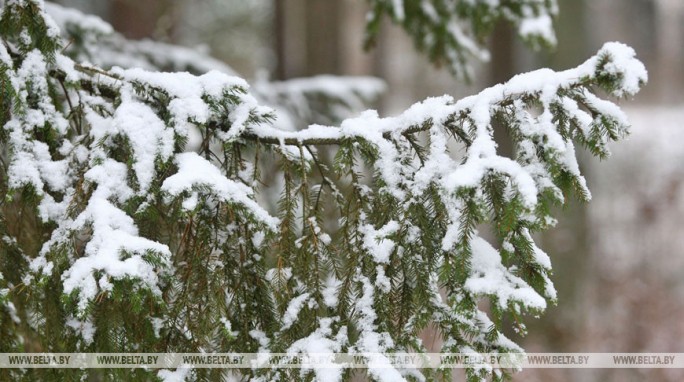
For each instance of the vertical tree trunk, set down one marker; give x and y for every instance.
(143, 19)
(308, 37)
(279, 20)
(290, 38)
(669, 36)
(502, 68)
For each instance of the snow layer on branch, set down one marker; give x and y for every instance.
(489, 277)
(189, 95)
(370, 341)
(320, 99)
(68, 18)
(376, 242)
(541, 25)
(115, 247)
(52, 29)
(185, 85)
(195, 172)
(114, 250)
(477, 111)
(296, 102)
(148, 136)
(323, 344)
(293, 309)
(99, 44)
(32, 164)
(622, 63)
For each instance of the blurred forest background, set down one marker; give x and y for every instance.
(619, 262)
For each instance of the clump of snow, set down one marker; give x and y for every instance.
(331, 291)
(541, 26)
(370, 341)
(85, 329)
(398, 9)
(189, 92)
(293, 309)
(114, 234)
(115, 248)
(179, 375)
(323, 343)
(195, 173)
(623, 63)
(148, 136)
(12, 310)
(376, 242)
(490, 277)
(228, 327)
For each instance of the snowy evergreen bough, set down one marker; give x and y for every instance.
(453, 32)
(152, 211)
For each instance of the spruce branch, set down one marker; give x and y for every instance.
(137, 213)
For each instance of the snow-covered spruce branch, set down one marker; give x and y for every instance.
(453, 32)
(297, 102)
(614, 68)
(134, 214)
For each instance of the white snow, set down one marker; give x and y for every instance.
(370, 341)
(187, 91)
(622, 62)
(69, 16)
(376, 242)
(322, 343)
(195, 172)
(114, 233)
(179, 375)
(85, 329)
(331, 291)
(541, 25)
(148, 136)
(481, 156)
(293, 309)
(490, 277)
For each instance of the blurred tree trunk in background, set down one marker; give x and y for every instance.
(326, 37)
(307, 37)
(323, 37)
(670, 33)
(144, 19)
(502, 68)
(503, 52)
(290, 38)
(319, 37)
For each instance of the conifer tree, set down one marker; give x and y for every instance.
(135, 196)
